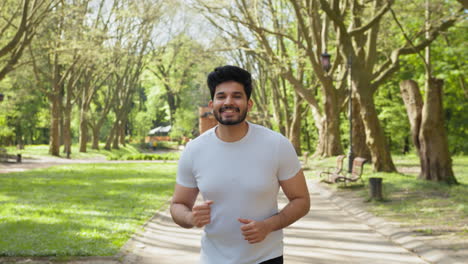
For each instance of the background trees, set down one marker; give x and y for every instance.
(115, 69)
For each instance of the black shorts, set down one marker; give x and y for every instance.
(278, 260)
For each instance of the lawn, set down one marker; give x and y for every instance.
(43, 150)
(426, 207)
(79, 210)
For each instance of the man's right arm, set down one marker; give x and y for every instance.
(183, 211)
(181, 205)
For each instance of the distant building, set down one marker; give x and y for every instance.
(207, 119)
(160, 133)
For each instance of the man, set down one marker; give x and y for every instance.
(238, 167)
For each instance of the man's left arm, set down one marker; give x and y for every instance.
(297, 193)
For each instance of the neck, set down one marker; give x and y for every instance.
(232, 133)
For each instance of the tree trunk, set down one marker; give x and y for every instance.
(95, 131)
(375, 138)
(84, 122)
(414, 105)
(54, 142)
(330, 138)
(83, 128)
(19, 136)
(436, 162)
(110, 138)
(295, 135)
(360, 148)
(122, 133)
(67, 137)
(277, 115)
(115, 140)
(171, 101)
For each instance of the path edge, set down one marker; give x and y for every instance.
(395, 234)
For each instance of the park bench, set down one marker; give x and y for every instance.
(355, 175)
(5, 157)
(329, 172)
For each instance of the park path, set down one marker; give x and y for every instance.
(328, 234)
(334, 231)
(45, 162)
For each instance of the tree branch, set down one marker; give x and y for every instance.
(373, 21)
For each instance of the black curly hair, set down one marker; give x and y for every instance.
(229, 73)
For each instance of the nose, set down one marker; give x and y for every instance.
(228, 100)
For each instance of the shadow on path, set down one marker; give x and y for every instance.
(326, 235)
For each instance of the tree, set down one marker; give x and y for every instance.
(427, 118)
(19, 28)
(132, 43)
(359, 40)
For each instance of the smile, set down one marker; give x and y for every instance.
(229, 110)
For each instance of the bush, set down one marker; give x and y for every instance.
(159, 156)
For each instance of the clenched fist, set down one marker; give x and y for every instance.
(201, 214)
(254, 231)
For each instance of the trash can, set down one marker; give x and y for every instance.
(375, 188)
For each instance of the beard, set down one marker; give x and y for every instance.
(230, 121)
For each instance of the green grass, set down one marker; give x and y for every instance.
(430, 207)
(79, 210)
(43, 150)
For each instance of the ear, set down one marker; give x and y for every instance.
(249, 105)
(210, 104)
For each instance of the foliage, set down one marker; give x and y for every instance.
(186, 123)
(446, 55)
(22, 118)
(143, 64)
(146, 156)
(67, 210)
(392, 114)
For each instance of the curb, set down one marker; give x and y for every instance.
(393, 233)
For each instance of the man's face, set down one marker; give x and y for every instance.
(230, 104)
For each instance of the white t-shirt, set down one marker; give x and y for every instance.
(242, 179)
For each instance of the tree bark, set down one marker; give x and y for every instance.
(360, 148)
(414, 105)
(428, 131)
(277, 114)
(436, 162)
(84, 127)
(110, 138)
(329, 142)
(115, 140)
(55, 109)
(375, 138)
(95, 131)
(295, 135)
(54, 145)
(67, 136)
(67, 109)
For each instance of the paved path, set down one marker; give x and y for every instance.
(326, 235)
(45, 162)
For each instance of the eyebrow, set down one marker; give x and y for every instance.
(221, 93)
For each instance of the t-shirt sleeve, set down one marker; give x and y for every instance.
(288, 162)
(185, 175)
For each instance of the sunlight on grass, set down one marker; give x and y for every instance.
(79, 210)
(43, 150)
(411, 201)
